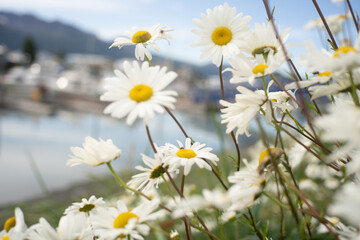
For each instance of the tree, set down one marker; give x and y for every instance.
(29, 49)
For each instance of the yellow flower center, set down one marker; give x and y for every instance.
(344, 50)
(260, 69)
(325, 74)
(141, 37)
(334, 221)
(264, 154)
(6, 237)
(123, 219)
(221, 36)
(9, 224)
(141, 93)
(186, 153)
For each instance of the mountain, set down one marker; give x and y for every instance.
(55, 37)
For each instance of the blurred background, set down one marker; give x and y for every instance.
(54, 57)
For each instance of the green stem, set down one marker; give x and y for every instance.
(168, 187)
(264, 86)
(148, 60)
(276, 201)
(232, 132)
(253, 223)
(312, 211)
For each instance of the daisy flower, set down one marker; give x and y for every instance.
(149, 177)
(245, 69)
(216, 198)
(14, 227)
(70, 227)
(86, 206)
(263, 41)
(141, 39)
(338, 2)
(341, 125)
(238, 115)
(188, 155)
(335, 23)
(280, 102)
(319, 77)
(139, 92)
(345, 58)
(346, 204)
(337, 84)
(221, 32)
(120, 222)
(247, 184)
(94, 152)
(186, 206)
(174, 235)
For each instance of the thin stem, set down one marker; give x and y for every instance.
(353, 90)
(232, 133)
(188, 229)
(264, 86)
(123, 184)
(253, 223)
(276, 168)
(185, 134)
(325, 23)
(158, 229)
(182, 196)
(150, 139)
(306, 136)
(216, 174)
(307, 148)
(353, 15)
(182, 182)
(282, 228)
(302, 105)
(278, 130)
(237, 151)
(177, 122)
(299, 77)
(289, 170)
(168, 187)
(221, 80)
(313, 211)
(147, 59)
(286, 91)
(276, 200)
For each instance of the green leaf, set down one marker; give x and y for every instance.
(332, 45)
(234, 160)
(311, 106)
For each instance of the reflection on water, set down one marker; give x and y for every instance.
(46, 140)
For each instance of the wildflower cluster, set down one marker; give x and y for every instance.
(299, 181)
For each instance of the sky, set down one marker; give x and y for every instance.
(110, 18)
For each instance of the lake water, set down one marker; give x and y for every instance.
(46, 141)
